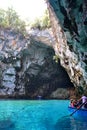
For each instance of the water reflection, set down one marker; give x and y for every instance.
(70, 123)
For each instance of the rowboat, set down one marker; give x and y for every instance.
(78, 113)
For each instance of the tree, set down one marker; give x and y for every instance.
(43, 22)
(14, 21)
(10, 18)
(36, 23)
(2, 18)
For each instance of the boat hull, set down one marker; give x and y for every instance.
(80, 113)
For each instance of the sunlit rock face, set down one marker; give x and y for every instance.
(69, 24)
(11, 45)
(27, 68)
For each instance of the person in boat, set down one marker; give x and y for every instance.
(83, 99)
(73, 103)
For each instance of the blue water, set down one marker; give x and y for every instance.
(38, 115)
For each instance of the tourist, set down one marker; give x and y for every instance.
(83, 99)
(73, 103)
(39, 97)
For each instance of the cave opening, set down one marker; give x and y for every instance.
(50, 80)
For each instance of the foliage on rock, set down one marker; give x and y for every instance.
(56, 58)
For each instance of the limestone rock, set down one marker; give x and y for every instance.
(60, 93)
(69, 24)
(27, 66)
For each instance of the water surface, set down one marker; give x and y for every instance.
(38, 115)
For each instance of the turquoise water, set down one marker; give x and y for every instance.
(38, 115)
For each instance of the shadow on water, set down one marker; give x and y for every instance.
(7, 124)
(70, 123)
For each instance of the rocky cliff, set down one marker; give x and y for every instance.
(27, 68)
(69, 24)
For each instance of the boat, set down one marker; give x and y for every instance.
(78, 113)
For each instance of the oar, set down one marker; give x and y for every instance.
(78, 108)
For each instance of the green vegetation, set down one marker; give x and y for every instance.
(41, 23)
(10, 19)
(56, 58)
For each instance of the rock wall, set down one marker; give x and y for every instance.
(69, 23)
(27, 68)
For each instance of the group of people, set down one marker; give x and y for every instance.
(81, 102)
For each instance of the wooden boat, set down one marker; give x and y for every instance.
(79, 113)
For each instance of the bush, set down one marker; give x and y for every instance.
(10, 19)
(56, 58)
(2, 18)
(45, 21)
(36, 24)
(42, 23)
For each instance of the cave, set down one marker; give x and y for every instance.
(48, 78)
